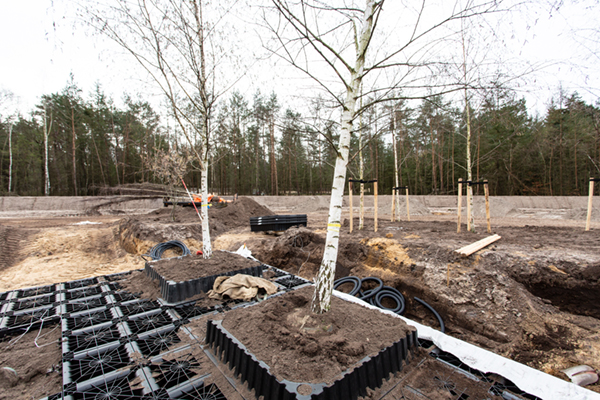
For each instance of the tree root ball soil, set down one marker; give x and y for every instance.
(304, 347)
(37, 369)
(195, 266)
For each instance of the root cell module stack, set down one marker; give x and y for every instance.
(116, 346)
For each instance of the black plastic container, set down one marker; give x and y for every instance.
(370, 373)
(175, 292)
(276, 222)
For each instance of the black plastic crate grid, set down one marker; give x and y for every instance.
(102, 327)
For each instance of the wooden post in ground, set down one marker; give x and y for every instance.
(459, 204)
(350, 200)
(394, 204)
(468, 207)
(487, 205)
(375, 200)
(407, 206)
(588, 221)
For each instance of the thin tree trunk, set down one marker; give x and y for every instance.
(361, 214)
(396, 180)
(469, 161)
(47, 129)
(274, 186)
(433, 170)
(206, 243)
(441, 158)
(74, 148)
(321, 301)
(10, 153)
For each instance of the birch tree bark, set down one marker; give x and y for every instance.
(47, 129)
(321, 301)
(397, 182)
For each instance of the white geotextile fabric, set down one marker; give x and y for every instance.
(526, 378)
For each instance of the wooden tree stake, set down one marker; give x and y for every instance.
(590, 203)
(393, 204)
(375, 200)
(487, 206)
(350, 198)
(468, 209)
(459, 204)
(407, 206)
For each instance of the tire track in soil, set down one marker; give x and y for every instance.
(12, 242)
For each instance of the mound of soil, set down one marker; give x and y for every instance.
(142, 285)
(137, 234)
(233, 215)
(37, 369)
(192, 266)
(304, 347)
(300, 251)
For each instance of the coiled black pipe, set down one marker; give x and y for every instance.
(349, 279)
(439, 318)
(157, 251)
(371, 292)
(390, 293)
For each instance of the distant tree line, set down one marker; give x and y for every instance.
(259, 148)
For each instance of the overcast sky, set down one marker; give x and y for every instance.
(42, 44)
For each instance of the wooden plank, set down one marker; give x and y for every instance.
(473, 247)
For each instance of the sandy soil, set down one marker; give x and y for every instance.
(532, 296)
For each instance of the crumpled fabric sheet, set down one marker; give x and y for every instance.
(240, 287)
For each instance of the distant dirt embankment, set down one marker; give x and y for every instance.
(565, 207)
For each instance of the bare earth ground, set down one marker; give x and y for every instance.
(532, 296)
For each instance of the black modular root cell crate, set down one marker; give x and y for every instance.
(370, 373)
(276, 222)
(138, 307)
(158, 342)
(87, 320)
(175, 292)
(81, 283)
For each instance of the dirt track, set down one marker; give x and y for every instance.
(532, 296)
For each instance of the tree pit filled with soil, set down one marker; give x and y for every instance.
(301, 346)
(195, 266)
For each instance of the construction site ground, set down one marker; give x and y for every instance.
(532, 296)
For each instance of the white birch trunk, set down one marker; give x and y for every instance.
(469, 160)
(47, 128)
(397, 197)
(361, 218)
(11, 158)
(206, 244)
(321, 301)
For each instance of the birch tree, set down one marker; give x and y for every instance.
(47, 128)
(181, 51)
(314, 36)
